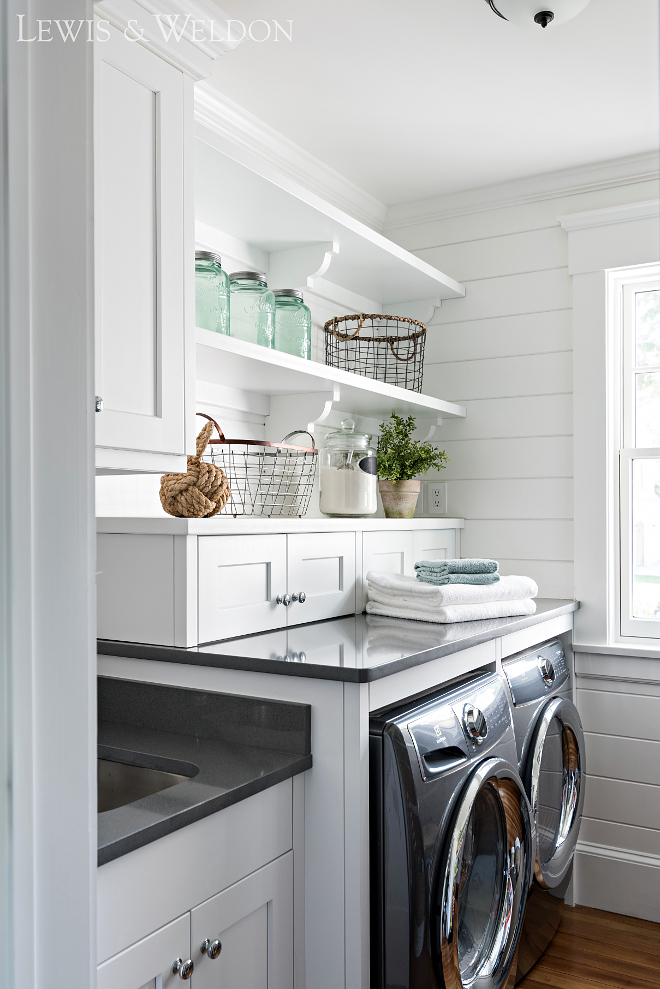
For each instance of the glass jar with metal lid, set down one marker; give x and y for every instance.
(293, 323)
(211, 293)
(348, 479)
(251, 308)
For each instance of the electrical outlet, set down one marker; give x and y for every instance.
(436, 497)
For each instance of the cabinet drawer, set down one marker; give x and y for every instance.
(322, 565)
(253, 921)
(239, 580)
(148, 963)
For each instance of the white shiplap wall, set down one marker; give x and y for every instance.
(505, 352)
(618, 862)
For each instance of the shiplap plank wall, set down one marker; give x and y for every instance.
(505, 352)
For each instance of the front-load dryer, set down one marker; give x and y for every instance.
(550, 746)
(452, 841)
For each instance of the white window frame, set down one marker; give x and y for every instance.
(625, 286)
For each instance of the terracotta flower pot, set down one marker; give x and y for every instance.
(399, 497)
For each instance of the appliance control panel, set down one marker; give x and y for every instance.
(483, 713)
(536, 673)
(438, 740)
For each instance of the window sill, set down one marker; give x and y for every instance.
(635, 650)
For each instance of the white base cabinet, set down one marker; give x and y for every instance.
(187, 588)
(149, 963)
(247, 852)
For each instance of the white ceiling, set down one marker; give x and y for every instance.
(417, 99)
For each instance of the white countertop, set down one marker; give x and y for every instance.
(227, 525)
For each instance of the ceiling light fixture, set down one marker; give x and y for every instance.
(527, 13)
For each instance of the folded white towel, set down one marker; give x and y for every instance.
(400, 590)
(457, 612)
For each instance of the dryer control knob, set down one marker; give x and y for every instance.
(475, 723)
(547, 670)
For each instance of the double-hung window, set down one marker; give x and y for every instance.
(639, 456)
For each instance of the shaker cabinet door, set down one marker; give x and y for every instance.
(253, 923)
(321, 565)
(435, 544)
(140, 256)
(240, 578)
(148, 963)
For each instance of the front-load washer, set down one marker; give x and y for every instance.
(452, 841)
(550, 746)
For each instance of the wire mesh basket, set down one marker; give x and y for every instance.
(387, 348)
(265, 478)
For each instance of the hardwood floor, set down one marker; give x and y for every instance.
(594, 949)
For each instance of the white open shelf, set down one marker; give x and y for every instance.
(246, 367)
(300, 239)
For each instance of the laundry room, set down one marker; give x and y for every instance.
(330, 525)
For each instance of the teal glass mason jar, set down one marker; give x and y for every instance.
(293, 323)
(251, 308)
(211, 293)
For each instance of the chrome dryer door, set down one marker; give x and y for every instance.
(554, 778)
(483, 879)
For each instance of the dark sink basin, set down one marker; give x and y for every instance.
(121, 783)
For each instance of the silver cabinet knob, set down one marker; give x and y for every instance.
(211, 948)
(475, 723)
(285, 600)
(302, 597)
(547, 671)
(98, 403)
(185, 969)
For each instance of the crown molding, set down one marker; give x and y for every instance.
(242, 129)
(192, 51)
(534, 188)
(648, 210)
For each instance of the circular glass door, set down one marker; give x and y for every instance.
(483, 879)
(555, 781)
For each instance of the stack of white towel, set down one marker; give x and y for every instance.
(399, 596)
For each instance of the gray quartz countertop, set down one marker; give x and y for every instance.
(357, 649)
(229, 746)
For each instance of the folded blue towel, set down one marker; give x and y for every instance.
(433, 577)
(458, 566)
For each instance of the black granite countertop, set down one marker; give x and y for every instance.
(356, 649)
(230, 746)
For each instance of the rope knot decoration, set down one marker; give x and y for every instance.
(201, 492)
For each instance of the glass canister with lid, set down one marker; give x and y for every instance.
(211, 293)
(293, 323)
(348, 480)
(251, 308)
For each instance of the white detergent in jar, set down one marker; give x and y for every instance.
(348, 491)
(348, 481)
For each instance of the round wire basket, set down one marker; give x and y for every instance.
(387, 348)
(265, 478)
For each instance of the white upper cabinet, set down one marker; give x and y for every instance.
(144, 253)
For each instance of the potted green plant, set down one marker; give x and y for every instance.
(400, 461)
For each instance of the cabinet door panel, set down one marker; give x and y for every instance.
(239, 580)
(392, 552)
(139, 248)
(434, 544)
(253, 920)
(148, 963)
(322, 565)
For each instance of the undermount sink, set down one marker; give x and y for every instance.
(121, 783)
